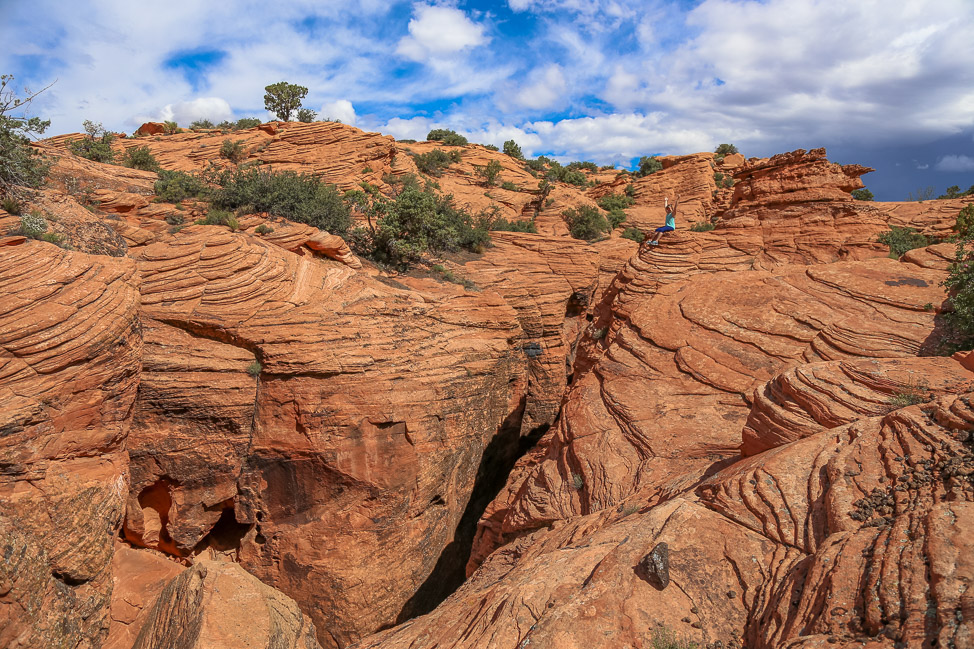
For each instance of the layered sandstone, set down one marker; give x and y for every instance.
(70, 353)
(326, 446)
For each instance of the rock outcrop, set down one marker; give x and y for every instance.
(216, 605)
(70, 352)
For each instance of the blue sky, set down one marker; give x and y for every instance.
(885, 83)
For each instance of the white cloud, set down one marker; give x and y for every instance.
(437, 32)
(545, 87)
(414, 128)
(341, 110)
(214, 109)
(955, 163)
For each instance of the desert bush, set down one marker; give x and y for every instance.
(416, 221)
(922, 194)
(509, 186)
(20, 164)
(306, 115)
(489, 172)
(12, 206)
(447, 137)
(296, 197)
(520, 225)
(491, 147)
(33, 225)
(434, 162)
(233, 150)
(631, 191)
(200, 123)
(219, 217)
(954, 192)
(633, 234)
(725, 149)
(702, 226)
(263, 228)
(512, 149)
(95, 145)
(579, 165)
(170, 128)
(175, 218)
(611, 202)
(240, 124)
(175, 186)
(586, 222)
(901, 240)
(663, 638)
(540, 164)
(140, 157)
(254, 369)
(959, 314)
(648, 165)
(963, 226)
(564, 174)
(862, 194)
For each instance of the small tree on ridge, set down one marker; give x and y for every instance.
(283, 98)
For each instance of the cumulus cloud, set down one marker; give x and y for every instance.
(214, 109)
(342, 110)
(545, 87)
(437, 32)
(955, 163)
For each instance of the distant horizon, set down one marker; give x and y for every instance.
(888, 87)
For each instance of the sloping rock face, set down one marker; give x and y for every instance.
(70, 350)
(218, 605)
(666, 400)
(346, 431)
(550, 282)
(857, 535)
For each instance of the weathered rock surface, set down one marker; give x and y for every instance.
(855, 536)
(139, 576)
(340, 450)
(668, 397)
(216, 605)
(70, 350)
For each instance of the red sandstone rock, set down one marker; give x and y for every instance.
(139, 576)
(69, 366)
(346, 450)
(151, 128)
(217, 605)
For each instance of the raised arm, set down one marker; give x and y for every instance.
(675, 203)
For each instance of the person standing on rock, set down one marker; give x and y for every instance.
(670, 220)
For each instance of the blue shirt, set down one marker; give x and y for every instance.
(671, 220)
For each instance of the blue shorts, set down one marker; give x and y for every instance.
(665, 228)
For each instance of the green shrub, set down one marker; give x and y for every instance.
(922, 194)
(283, 98)
(578, 481)
(631, 192)
(512, 149)
(615, 218)
(240, 124)
(509, 186)
(96, 145)
(578, 165)
(175, 218)
(586, 222)
(663, 638)
(964, 225)
(140, 157)
(912, 394)
(489, 172)
(611, 202)
(725, 149)
(219, 217)
(537, 165)
(648, 165)
(12, 206)
(901, 240)
(170, 128)
(447, 137)
(233, 151)
(634, 234)
(702, 226)
(53, 237)
(296, 197)
(176, 186)
(33, 225)
(954, 192)
(521, 225)
(862, 194)
(263, 228)
(959, 315)
(434, 162)
(254, 369)
(416, 221)
(406, 141)
(565, 174)
(201, 124)
(491, 147)
(20, 163)
(306, 115)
